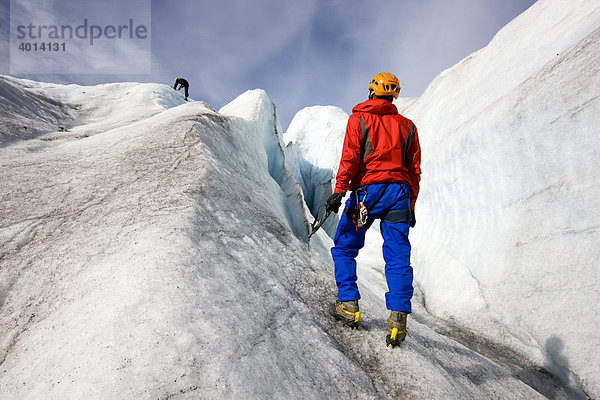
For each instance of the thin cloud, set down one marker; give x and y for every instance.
(72, 54)
(309, 52)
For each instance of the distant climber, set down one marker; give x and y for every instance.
(183, 84)
(381, 165)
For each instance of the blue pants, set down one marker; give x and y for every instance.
(380, 198)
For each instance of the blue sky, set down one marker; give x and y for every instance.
(303, 53)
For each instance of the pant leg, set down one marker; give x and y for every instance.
(186, 92)
(396, 246)
(398, 271)
(347, 242)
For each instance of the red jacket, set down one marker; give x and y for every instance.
(380, 146)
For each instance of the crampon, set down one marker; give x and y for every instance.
(349, 318)
(395, 338)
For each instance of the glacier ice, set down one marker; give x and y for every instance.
(508, 212)
(154, 256)
(314, 138)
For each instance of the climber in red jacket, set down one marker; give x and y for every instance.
(381, 165)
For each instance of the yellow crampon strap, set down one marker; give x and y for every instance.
(395, 332)
(356, 315)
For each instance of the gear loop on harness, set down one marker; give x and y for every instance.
(362, 212)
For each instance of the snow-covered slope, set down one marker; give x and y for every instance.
(156, 259)
(26, 114)
(509, 213)
(53, 112)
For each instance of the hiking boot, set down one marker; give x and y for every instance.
(396, 324)
(347, 312)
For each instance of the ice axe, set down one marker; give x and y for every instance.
(318, 222)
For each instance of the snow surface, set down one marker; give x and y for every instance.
(509, 212)
(153, 255)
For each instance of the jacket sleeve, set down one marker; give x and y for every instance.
(350, 156)
(414, 170)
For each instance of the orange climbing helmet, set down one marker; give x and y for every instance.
(385, 84)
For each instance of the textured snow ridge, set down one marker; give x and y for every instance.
(509, 217)
(156, 259)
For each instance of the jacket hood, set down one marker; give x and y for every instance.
(376, 106)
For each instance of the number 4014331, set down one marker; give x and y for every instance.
(49, 46)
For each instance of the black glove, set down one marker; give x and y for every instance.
(334, 202)
(413, 219)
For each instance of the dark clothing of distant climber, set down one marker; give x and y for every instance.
(183, 84)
